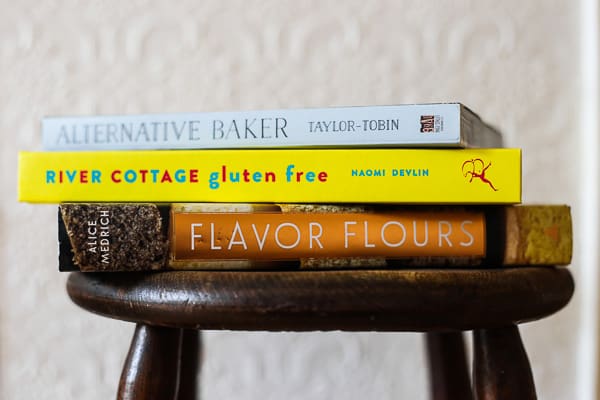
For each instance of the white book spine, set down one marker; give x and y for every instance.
(416, 125)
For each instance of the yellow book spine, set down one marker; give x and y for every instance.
(470, 176)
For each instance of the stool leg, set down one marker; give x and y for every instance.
(448, 375)
(151, 370)
(191, 362)
(501, 368)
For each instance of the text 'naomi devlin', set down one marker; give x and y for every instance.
(394, 172)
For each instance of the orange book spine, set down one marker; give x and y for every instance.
(210, 236)
(277, 236)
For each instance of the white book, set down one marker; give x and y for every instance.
(409, 125)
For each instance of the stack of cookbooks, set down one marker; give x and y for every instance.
(415, 185)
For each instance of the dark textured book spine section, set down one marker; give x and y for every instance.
(98, 237)
(65, 250)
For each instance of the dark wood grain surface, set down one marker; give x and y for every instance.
(165, 355)
(448, 372)
(366, 300)
(152, 366)
(501, 368)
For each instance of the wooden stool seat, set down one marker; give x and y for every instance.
(169, 308)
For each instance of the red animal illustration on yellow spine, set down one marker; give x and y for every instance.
(476, 168)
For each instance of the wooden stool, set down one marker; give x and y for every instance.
(170, 307)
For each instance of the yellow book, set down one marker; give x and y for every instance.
(426, 176)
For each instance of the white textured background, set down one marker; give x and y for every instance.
(515, 62)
